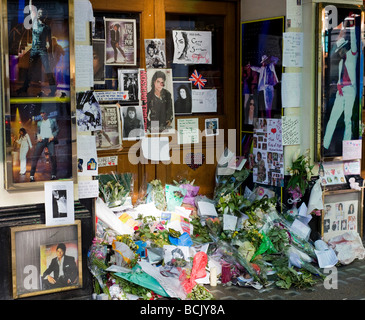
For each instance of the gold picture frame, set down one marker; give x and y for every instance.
(38, 78)
(34, 252)
(338, 93)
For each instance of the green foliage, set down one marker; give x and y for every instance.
(289, 277)
(279, 238)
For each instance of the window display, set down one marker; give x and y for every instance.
(39, 105)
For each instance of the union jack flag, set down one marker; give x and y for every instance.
(197, 79)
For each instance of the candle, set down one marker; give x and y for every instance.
(213, 276)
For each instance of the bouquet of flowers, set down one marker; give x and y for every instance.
(114, 188)
(301, 173)
(231, 203)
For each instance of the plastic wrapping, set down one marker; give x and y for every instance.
(228, 179)
(198, 271)
(348, 247)
(115, 188)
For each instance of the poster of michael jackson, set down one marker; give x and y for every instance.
(342, 69)
(39, 48)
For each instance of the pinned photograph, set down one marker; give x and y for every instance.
(211, 127)
(128, 80)
(88, 112)
(160, 109)
(120, 42)
(155, 53)
(183, 98)
(133, 124)
(59, 202)
(109, 137)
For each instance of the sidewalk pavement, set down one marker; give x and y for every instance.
(350, 286)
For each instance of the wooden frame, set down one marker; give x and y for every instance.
(38, 77)
(33, 248)
(339, 99)
(343, 212)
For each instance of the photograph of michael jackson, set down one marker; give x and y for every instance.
(39, 56)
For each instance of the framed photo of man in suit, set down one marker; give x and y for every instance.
(120, 42)
(46, 259)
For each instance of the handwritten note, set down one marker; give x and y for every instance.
(88, 189)
(293, 49)
(103, 96)
(291, 130)
(188, 131)
(351, 149)
(84, 66)
(274, 135)
(108, 161)
(204, 100)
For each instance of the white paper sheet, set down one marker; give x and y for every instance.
(207, 209)
(188, 130)
(291, 90)
(204, 100)
(84, 66)
(87, 156)
(88, 189)
(293, 49)
(351, 149)
(192, 47)
(156, 148)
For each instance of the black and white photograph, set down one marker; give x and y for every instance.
(120, 42)
(155, 51)
(160, 100)
(59, 202)
(183, 98)
(88, 112)
(132, 121)
(36, 250)
(128, 80)
(99, 61)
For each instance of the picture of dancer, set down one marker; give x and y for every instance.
(120, 42)
(39, 50)
(341, 110)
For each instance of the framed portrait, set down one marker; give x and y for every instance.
(110, 136)
(120, 42)
(183, 100)
(35, 251)
(37, 50)
(132, 122)
(59, 202)
(261, 70)
(160, 101)
(339, 80)
(343, 212)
